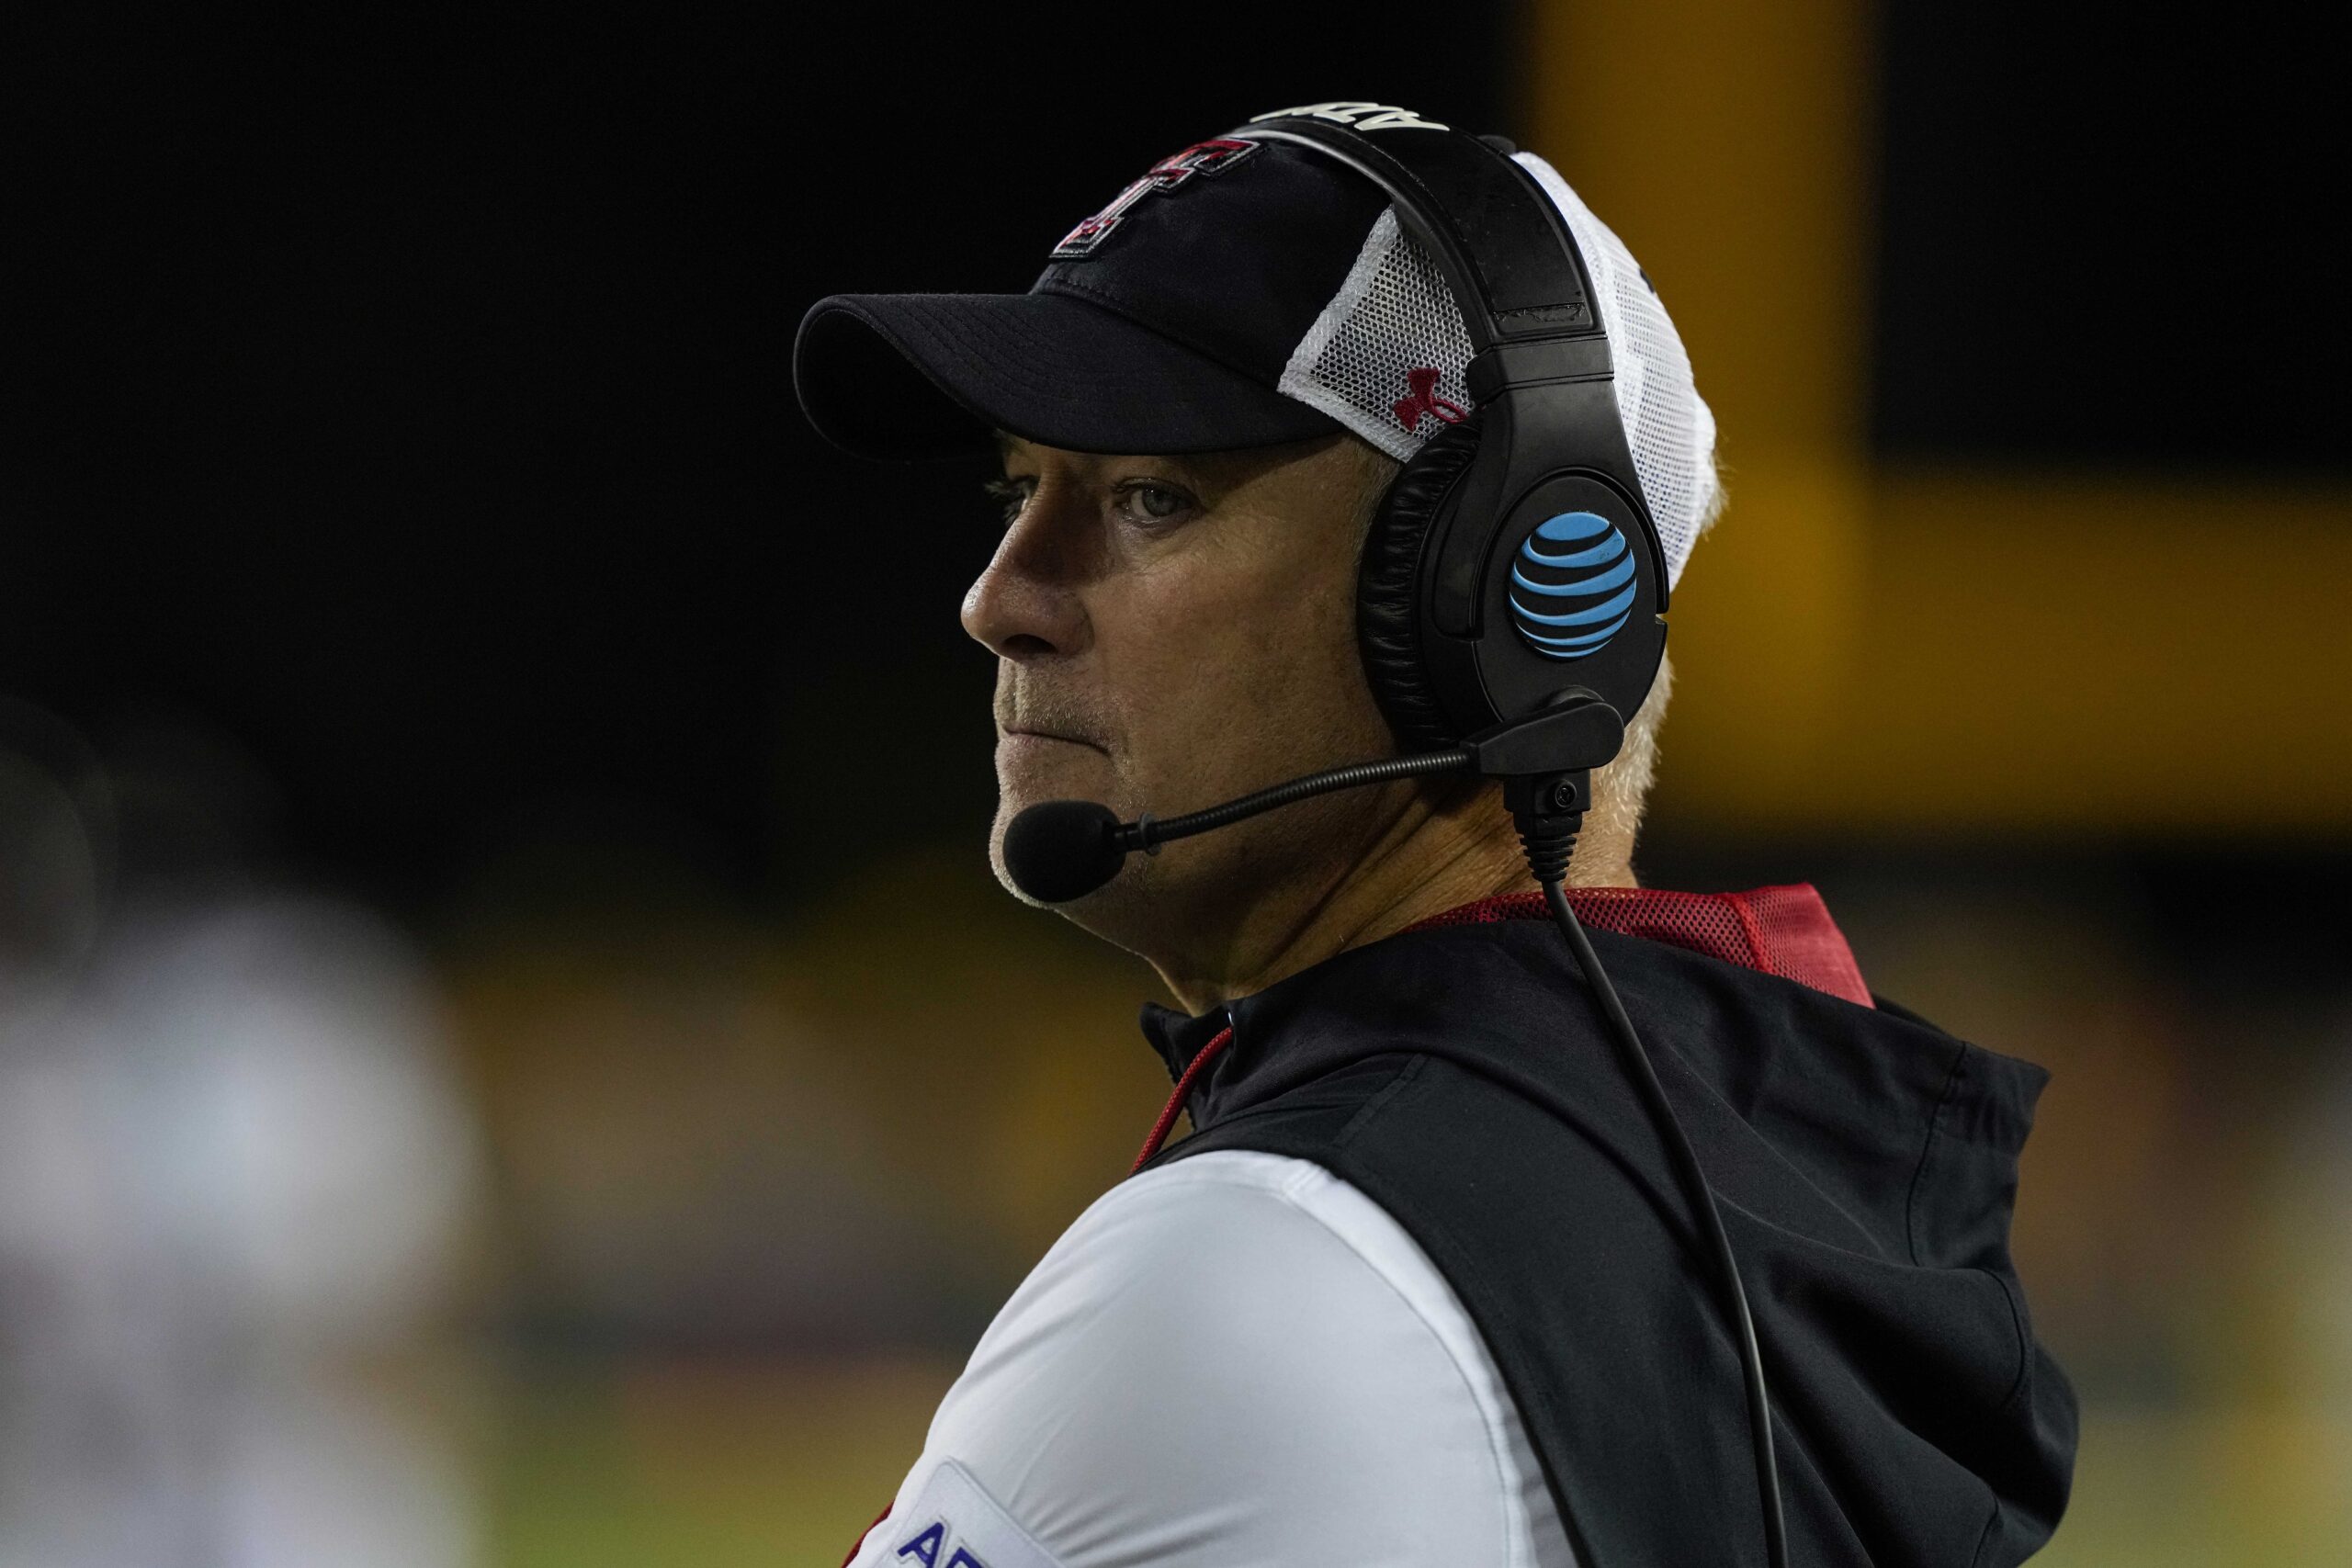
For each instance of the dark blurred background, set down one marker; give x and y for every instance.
(510, 1049)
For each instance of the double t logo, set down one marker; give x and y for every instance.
(1211, 157)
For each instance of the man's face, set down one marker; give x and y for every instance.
(1173, 632)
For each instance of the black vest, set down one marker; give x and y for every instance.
(1865, 1163)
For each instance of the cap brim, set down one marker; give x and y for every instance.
(930, 375)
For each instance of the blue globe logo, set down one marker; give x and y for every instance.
(1572, 585)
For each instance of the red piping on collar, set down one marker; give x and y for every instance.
(1207, 1055)
(1784, 931)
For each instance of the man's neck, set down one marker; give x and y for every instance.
(1427, 859)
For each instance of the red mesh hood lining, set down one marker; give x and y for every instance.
(1780, 930)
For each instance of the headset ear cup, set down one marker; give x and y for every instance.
(1387, 589)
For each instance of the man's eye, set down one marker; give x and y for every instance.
(1154, 502)
(1010, 496)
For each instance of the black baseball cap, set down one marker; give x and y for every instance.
(1162, 323)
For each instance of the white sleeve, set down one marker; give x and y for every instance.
(1237, 1360)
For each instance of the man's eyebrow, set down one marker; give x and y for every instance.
(1202, 464)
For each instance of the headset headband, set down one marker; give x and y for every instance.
(1515, 270)
(1511, 261)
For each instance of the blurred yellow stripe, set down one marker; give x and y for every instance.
(2059, 651)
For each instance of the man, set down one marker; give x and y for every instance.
(1377, 1310)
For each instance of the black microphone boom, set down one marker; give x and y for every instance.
(1060, 850)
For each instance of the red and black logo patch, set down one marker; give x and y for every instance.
(1211, 157)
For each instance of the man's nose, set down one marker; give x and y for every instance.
(1025, 605)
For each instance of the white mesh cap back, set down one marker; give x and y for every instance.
(1367, 362)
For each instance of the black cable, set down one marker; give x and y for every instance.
(1759, 1409)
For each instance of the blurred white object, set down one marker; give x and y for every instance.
(292, 1127)
(233, 1156)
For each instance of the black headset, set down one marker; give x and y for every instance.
(1467, 610)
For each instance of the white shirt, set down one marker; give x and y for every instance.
(1235, 1360)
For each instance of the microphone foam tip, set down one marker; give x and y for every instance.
(1060, 850)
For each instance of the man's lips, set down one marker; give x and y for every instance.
(1053, 735)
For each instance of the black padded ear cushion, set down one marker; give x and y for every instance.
(1387, 630)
